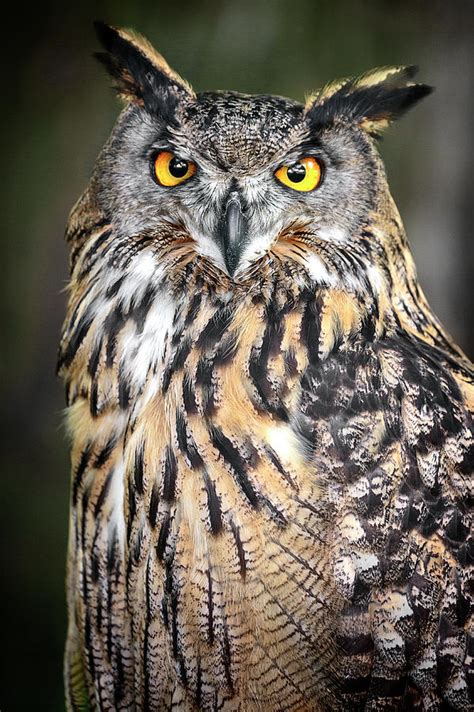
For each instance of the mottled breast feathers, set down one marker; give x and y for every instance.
(254, 477)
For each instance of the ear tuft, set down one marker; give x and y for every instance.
(372, 101)
(141, 75)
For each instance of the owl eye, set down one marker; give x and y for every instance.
(170, 170)
(304, 175)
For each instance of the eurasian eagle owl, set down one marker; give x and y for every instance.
(272, 435)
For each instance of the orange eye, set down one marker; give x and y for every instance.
(170, 170)
(304, 175)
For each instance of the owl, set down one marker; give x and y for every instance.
(271, 433)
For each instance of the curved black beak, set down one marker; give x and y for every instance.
(233, 232)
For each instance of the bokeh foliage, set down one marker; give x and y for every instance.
(59, 110)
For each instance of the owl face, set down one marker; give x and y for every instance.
(244, 179)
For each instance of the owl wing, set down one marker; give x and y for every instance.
(396, 420)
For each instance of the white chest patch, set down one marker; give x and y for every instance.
(284, 442)
(318, 271)
(143, 346)
(144, 351)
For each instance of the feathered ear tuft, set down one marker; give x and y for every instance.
(372, 100)
(141, 75)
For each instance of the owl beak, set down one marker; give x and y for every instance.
(233, 231)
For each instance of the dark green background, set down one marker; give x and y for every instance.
(58, 110)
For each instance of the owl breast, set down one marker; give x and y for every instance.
(225, 520)
(255, 491)
(204, 507)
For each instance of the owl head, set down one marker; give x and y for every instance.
(239, 183)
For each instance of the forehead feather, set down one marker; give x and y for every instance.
(240, 130)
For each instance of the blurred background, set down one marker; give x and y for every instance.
(58, 113)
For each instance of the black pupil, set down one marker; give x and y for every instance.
(296, 173)
(177, 167)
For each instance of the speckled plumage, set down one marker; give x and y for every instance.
(271, 471)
